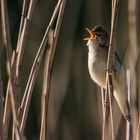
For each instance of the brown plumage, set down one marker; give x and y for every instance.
(97, 58)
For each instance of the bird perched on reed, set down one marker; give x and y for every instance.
(98, 46)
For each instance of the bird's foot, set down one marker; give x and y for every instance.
(106, 105)
(128, 118)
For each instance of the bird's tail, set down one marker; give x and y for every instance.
(122, 101)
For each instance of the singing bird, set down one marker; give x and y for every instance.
(98, 46)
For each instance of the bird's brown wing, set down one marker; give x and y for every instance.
(117, 63)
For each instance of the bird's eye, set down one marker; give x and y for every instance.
(99, 34)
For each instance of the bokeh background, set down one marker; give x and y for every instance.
(75, 111)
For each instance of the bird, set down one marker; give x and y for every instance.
(98, 47)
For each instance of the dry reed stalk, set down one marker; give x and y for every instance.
(132, 59)
(34, 71)
(105, 133)
(5, 29)
(103, 100)
(26, 27)
(49, 63)
(43, 100)
(26, 17)
(15, 76)
(1, 108)
(23, 18)
(110, 61)
(12, 90)
(138, 130)
(128, 125)
(103, 110)
(14, 114)
(7, 44)
(23, 32)
(39, 55)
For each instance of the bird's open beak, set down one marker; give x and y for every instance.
(92, 35)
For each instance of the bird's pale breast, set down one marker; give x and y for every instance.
(97, 70)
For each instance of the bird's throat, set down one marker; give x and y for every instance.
(93, 51)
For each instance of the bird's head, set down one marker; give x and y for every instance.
(98, 36)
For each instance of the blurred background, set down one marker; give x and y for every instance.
(75, 111)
